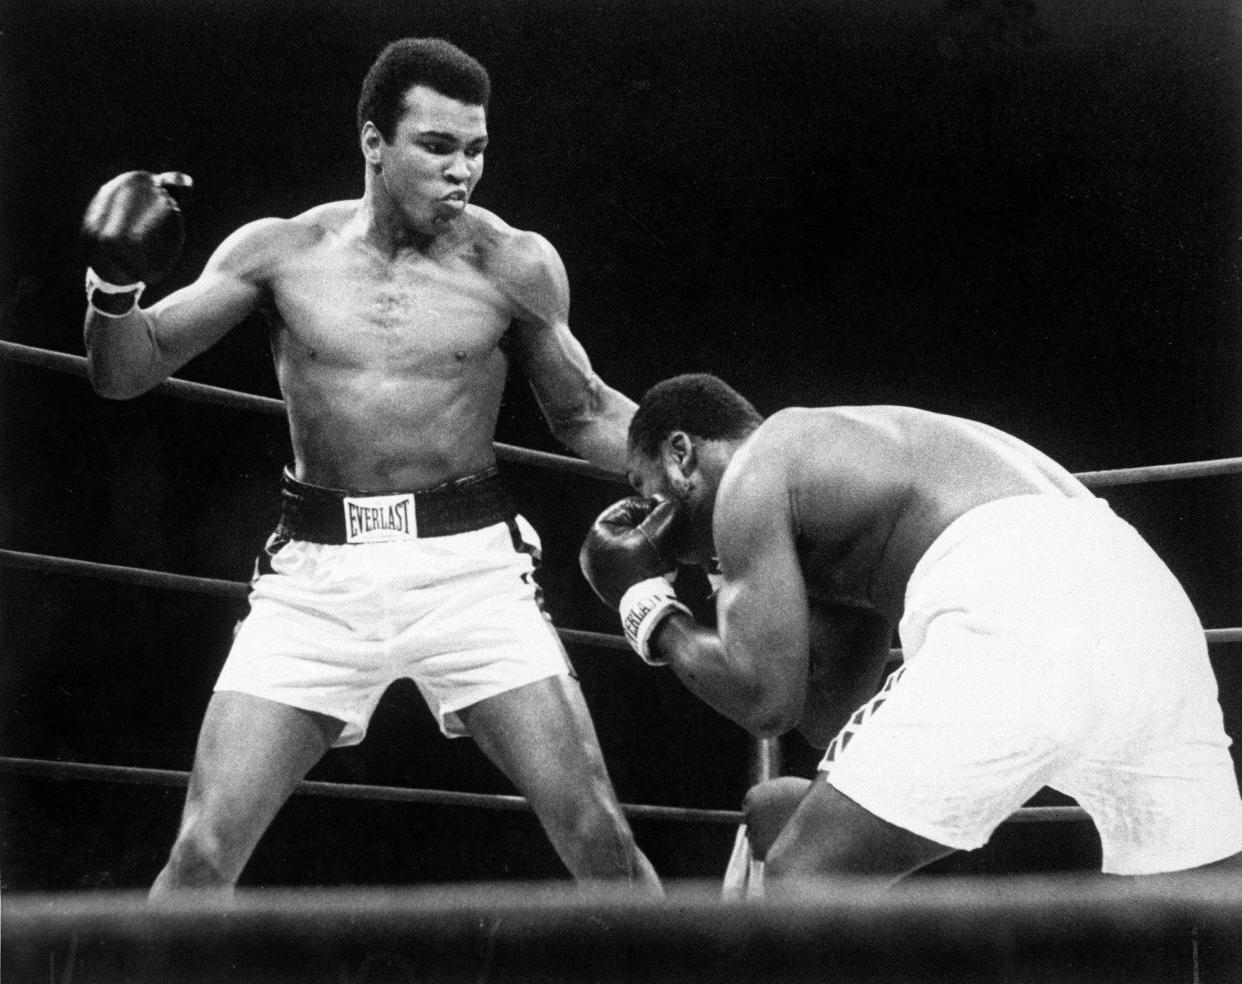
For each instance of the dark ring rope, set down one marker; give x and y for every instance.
(431, 797)
(235, 590)
(1075, 928)
(75, 365)
(239, 590)
(202, 393)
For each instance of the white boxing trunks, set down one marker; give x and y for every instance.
(1047, 645)
(418, 593)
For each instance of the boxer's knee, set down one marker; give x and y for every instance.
(200, 859)
(208, 853)
(768, 807)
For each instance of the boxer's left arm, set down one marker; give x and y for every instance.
(850, 648)
(582, 411)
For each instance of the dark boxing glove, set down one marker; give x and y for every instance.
(624, 546)
(133, 233)
(624, 561)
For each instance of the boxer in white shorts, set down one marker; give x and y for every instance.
(1045, 643)
(395, 319)
(354, 592)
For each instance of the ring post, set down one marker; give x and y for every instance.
(743, 877)
(765, 760)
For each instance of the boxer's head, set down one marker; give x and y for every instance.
(681, 440)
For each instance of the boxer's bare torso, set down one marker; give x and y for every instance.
(392, 364)
(870, 488)
(389, 316)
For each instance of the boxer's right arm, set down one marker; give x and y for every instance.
(128, 238)
(752, 667)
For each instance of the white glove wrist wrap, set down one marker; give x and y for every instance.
(96, 283)
(643, 607)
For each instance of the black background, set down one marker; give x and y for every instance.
(1022, 212)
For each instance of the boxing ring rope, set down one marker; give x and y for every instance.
(766, 754)
(1020, 930)
(75, 365)
(132, 775)
(352, 791)
(202, 393)
(237, 590)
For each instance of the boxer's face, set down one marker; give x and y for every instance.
(674, 475)
(435, 159)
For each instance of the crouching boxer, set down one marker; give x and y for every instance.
(1045, 643)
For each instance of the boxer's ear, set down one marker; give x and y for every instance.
(679, 456)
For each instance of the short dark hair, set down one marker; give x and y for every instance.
(433, 62)
(699, 404)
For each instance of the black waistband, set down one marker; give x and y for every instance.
(320, 515)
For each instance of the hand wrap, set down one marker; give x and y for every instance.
(643, 607)
(94, 282)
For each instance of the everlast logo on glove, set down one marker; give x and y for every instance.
(380, 518)
(633, 619)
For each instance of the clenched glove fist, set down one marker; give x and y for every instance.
(624, 560)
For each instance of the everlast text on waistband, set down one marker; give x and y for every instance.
(375, 519)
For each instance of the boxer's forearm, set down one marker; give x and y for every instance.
(598, 431)
(729, 685)
(122, 356)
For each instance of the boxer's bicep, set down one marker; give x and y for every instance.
(762, 605)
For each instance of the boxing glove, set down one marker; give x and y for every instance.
(133, 233)
(626, 563)
(624, 546)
